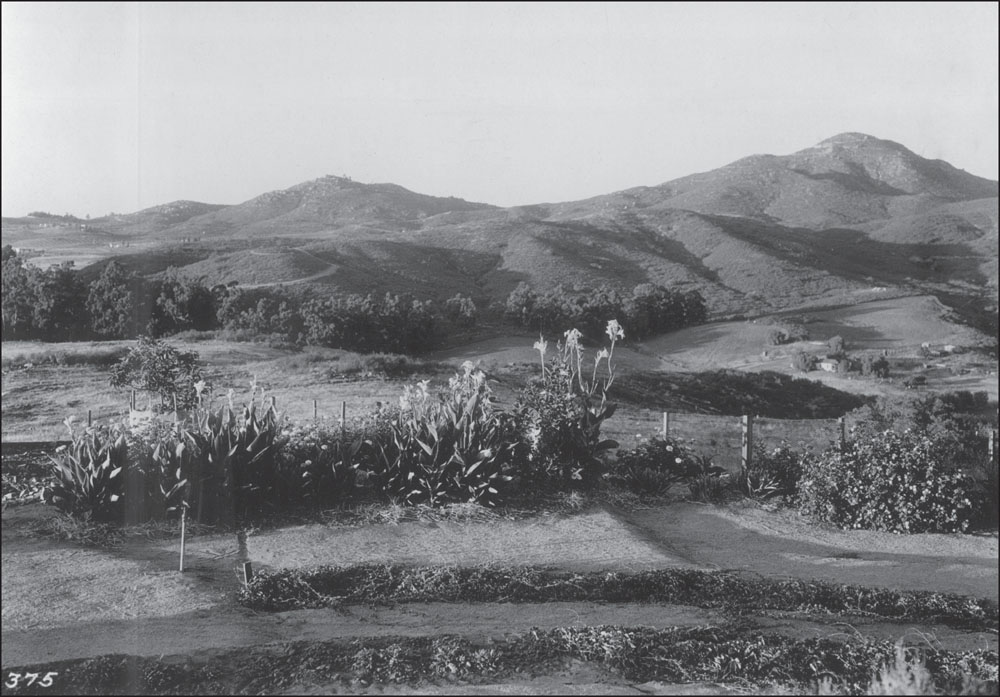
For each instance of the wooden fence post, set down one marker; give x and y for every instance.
(315, 410)
(183, 533)
(991, 445)
(90, 419)
(666, 424)
(746, 452)
(343, 421)
(842, 432)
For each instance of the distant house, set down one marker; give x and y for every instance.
(828, 366)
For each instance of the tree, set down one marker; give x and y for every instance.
(874, 366)
(111, 302)
(836, 346)
(152, 365)
(20, 295)
(462, 311)
(60, 310)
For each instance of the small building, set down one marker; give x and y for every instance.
(828, 366)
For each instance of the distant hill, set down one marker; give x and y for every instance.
(851, 218)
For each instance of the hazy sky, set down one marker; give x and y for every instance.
(120, 106)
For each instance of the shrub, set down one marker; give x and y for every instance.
(898, 482)
(654, 467)
(771, 473)
(560, 415)
(709, 483)
(153, 365)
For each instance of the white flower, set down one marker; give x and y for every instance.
(573, 337)
(541, 345)
(467, 366)
(199, 387)
(615, 330)
(603, 353)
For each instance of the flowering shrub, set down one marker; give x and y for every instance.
(449, 448)
(654, 466)
(561, 413)
(899, 482)
(771, 473)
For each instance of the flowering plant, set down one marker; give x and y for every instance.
(561, 412)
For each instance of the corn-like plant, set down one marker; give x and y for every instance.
(87, 479)
(453, 449)
(110, 474)
(233, 466)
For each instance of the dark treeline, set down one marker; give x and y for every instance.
(56, 305)
(649, 309)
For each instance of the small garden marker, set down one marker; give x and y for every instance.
(247, 570)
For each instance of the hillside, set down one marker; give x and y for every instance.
(837, 223)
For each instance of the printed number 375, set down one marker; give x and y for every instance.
(15, 679)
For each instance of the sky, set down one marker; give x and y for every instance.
(115, 107)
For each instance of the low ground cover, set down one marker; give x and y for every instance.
(721, 654)
(381, 583)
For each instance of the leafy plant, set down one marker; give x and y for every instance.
(561, 413)
(654, 466)
(155, 366)
(450, 449)
(899, 482)
(708, 482)
(771, 473)
(103, 476)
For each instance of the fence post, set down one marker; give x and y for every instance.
(666, 424)
(183, 534)
(842, 432)
(90, 419)
(315, 410)
(343, 421)
(746, 452)
(991, 445)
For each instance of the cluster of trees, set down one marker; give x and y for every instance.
(650, 309)
(56, 305)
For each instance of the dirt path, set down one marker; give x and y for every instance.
(63, 601)
(782, 543)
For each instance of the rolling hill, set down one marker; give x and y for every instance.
(851, 218)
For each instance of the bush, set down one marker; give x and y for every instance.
(654, 467)
(709, 483)
(898, 482)
(771, 473)
(153, 365)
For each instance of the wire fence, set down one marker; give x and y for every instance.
(727, 440)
